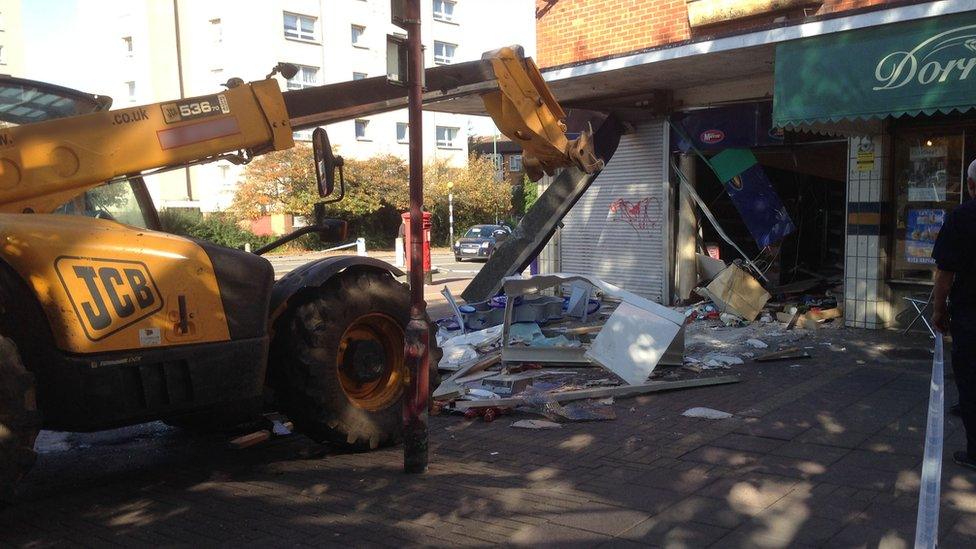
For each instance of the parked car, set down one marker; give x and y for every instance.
(480, 241)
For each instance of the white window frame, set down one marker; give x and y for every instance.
(216, 31)
(443, 15)
(356, 75)
(406, 132)
(298, 33)
(302, 80)
(497, 160)
(447, 142)
(127, 47)
(360, 40)
(515, 163)
(131, 86)
(361, 122)
(442, 58)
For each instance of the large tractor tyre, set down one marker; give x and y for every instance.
(338, 361)
(19, 419)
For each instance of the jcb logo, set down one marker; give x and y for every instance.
(108, 294)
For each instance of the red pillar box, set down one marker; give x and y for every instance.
(426, 242)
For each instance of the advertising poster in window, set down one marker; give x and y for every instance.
(921, 230)
(927, 179)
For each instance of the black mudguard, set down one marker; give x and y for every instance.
(315, 275)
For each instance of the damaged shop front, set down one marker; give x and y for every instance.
(903, 93)
(822, 156)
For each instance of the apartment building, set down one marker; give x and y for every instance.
(152, 50)
(11, 38)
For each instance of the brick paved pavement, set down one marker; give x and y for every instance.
(826, 454)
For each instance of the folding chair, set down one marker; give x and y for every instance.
(920, 305)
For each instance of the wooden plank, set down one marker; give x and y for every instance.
(482, 363)
(603, 392)
(785, 354)
(450, 388)
(581, 330)
(249, 440)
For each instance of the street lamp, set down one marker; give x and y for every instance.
(450, 210)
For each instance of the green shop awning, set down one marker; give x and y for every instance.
(924, 66)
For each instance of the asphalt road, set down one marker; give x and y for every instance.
(442, 260)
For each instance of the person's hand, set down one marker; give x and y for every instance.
(940, 319)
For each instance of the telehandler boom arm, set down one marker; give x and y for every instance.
(45, 164)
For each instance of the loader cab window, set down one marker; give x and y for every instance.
(25, 102)
(117, 201)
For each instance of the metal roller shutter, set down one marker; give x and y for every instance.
(618, 231)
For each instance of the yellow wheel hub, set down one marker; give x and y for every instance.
(370, 362)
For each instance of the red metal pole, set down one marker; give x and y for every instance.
(417, 336)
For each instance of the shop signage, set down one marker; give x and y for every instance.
(922, 66)
(717, 128)
(865, 156)
(753, 195)
(711, 137)
(933, 61)
(921, 229)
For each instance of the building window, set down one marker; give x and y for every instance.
(447, 137)
(131, 87)
(359, 76)
(403, 132)
(306, 77)
(444, 53)
(301, 27)
(216, 31)
(515, 163)
(444, 10)
(302, 135)
(361, 130)
(358, 36)
(929, 181)
(3, 55)
(496, 161)
(127, 45)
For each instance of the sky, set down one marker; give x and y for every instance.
(51, 53)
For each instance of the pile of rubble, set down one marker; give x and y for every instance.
(563, 358)
(568, 358)
(739, 321)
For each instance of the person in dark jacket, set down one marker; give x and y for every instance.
(954, 307)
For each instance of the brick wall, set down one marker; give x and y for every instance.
(569, 31)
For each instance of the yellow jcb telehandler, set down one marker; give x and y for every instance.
(106, 321)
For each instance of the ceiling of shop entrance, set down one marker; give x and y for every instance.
(630, 87)
(824, 160)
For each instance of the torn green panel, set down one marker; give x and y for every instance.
(731, 162)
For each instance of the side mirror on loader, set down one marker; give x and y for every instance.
(326, 165)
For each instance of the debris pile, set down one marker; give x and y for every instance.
(566, 363)
(740, 321)
(568, 358)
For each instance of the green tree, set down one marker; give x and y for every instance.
(377, 191)
(478, 196)
(530, 193)
(278, 182)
